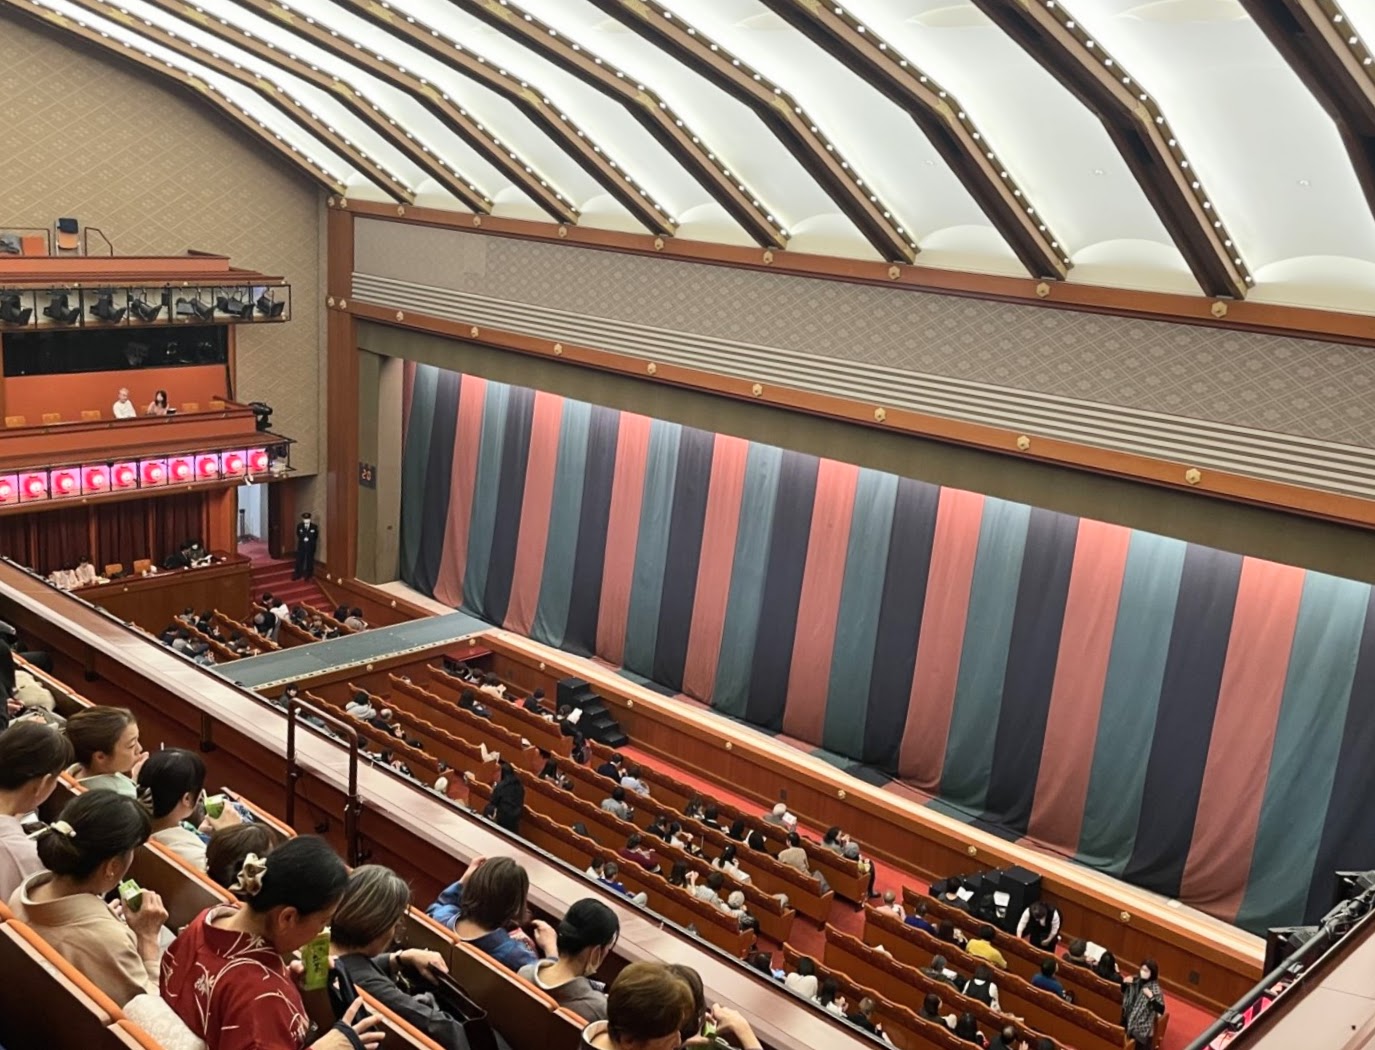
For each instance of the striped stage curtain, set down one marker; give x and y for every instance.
(1190, 720)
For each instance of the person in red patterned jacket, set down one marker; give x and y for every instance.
(225, 975)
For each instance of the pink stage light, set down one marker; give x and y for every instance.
(179, 469)
(207, 467)
(65, 483)
(33, 486)
(124, 475)
(97, 479)
(257, 460)
(234, 464)
(9, 489)
(153, 471)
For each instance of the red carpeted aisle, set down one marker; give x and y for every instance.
(1186, 1020)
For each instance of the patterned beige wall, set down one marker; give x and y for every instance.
(159, 172)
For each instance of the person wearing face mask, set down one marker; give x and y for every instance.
(87, 852)
(363, 929)
(586, 937)
(226, 976)
(1142, 1003)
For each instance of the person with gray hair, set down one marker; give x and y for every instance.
(364, 928)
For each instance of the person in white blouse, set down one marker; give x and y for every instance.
(170, 786)
(123, 407)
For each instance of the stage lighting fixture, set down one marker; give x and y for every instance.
(257, 460)
(179, 469)
(195, 308)
(9, 488)
(13, 310)
(143, 309)
(65, 483)
(59, 311)
(207, 467)
(152, 471)
(97, 480)
(105, 309)
(262, 413)
(235, 307)
(124, 476)
(33, 486)
(269, 307)
(234, 464)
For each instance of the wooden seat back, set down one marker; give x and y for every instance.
(185, 892)
(45, 1001)
(90, 415)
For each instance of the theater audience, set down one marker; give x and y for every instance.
(931, 1011)
(736, 830)
(840, 843)
(1007, 1038)
(1040, 925)
(863, 1017)
(617, 804)
(492, 685)
(919, 920)
(485, 908)
(85, 572)
(469, 702)
(636, 853)
(981, 946)
(945, 931)
(710, 890)
(230, 846)
(1047, 981)
(631, 781)
(829, 997)
(226, 975)
(981, 986)
(755, 840)
(803, 981)
(727, 863)
(586, 937)
(1142, 1003)
(360, 707)
(86, 853)
(170, 786)
(677, 875)
(1077, 954)
(362, 932)
(724, 1022)
(507, 803)
(711, 817)
(780, 817)
(647, 1006)
(611, 879)
(535, 702)
(124, 408)
(967, 1028)
(1106, 968)
(106, 747)
(32, 754)
(939, 970)
(354, 620)
(611, 767)
(157, 406)
(892, 905)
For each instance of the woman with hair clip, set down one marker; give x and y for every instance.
(229, 847)
(364, 928)
(32, 754)
(170, 785)
(108, 754)
(585, 938)
(87, 852)
(709, 1027)
(226, 977)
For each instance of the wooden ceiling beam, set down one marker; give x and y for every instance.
(780, 112)
(73, 28)
(1322, 46)
(1137, 127)
(944, 122)
(669, 129)
(275, 95)
(341, 91)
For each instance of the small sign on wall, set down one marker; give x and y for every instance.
(367, 475)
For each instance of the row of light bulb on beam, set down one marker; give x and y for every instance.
(98, 479)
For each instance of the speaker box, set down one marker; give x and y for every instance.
(1023, 888)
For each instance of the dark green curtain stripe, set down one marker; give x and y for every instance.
(594, 513)
(438, 479)
(773, 644)
(744, 608)
(983, 660)
(651, 546)
(510, 497)
(687, 518)
(483, 521)
(1131, 694)
(1308, 743)
(899, 622)
(415, 460)
(1348, 833)
(1033, 650)
(861, 598)
(1184, 718)
(561, 549)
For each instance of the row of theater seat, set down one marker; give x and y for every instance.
(94, 415)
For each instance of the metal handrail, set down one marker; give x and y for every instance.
(86, 232)
(353, 804)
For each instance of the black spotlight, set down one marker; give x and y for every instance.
(270, 307)
(195, 308)
(13, 310)
(235, 307)
(143, 309)
(59, 311)
(104, 308)
(262, 413)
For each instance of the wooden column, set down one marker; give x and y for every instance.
(341, 444)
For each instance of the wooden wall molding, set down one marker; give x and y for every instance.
(1316, 503)
(1246, 316)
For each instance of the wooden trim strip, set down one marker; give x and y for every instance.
(1236, 487)
(1247, 316)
